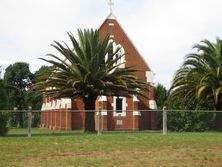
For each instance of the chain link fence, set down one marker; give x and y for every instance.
(165, 120)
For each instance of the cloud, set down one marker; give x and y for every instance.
(163, 31)
(29, 27)
(4, 62)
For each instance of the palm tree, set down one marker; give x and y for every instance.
(86, 72)
(200, 77)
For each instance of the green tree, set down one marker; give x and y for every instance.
(18, 79)
(161, 100)
(85, 72)
(200, 78)
(188, 120)
(3, 106)
(42, 73)
(3, 96)
(161, 96)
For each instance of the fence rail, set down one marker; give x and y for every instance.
(159, 110)
(164, 117)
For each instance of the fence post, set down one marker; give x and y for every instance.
(29, 121)
(99, 122)
(164, 121)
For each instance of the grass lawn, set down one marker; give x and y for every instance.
(61, 149)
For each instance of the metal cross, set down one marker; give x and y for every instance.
(110, 3)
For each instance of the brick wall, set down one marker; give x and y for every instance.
(132, 58)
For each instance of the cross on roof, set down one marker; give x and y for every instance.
(110, 3)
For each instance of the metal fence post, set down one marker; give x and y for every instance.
(164, 121)
(99, 122)
(29, 121)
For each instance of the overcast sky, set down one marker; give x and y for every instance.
(163, 31)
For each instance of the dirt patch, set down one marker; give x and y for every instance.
(77, 155)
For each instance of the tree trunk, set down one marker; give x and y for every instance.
(218, 123)
(89, 103)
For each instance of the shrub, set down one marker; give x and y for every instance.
(3, 124)
(190, 121)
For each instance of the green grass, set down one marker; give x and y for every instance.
(74, 148)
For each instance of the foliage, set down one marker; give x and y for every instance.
(85, 72)
(161, 96)
(183, 120)
(3, 124)
(43, 73)
(14, 93)
(161, 100)
(187, 120)
(190, 121)
(200, 77)
(3, 105)
(3, 96)
(18, 79)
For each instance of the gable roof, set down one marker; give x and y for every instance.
(112, 19)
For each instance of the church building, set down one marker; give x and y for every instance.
(118, 113)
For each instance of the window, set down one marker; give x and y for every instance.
(149, 76)
(121, 52)
(119, 105)
(152, 104)
(110, 30)
(110, 53)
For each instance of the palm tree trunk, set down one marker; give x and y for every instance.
(218, 123)
(89, 103)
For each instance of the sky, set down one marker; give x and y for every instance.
(164, 31)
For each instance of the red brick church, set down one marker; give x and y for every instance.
(118, 113)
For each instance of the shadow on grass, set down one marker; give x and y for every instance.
(38, 132)
(46, 135)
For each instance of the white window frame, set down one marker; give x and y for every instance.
(152, 104)
(150, 77)
(124, 105)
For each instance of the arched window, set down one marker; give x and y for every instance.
(110, 53)
(120, 52)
